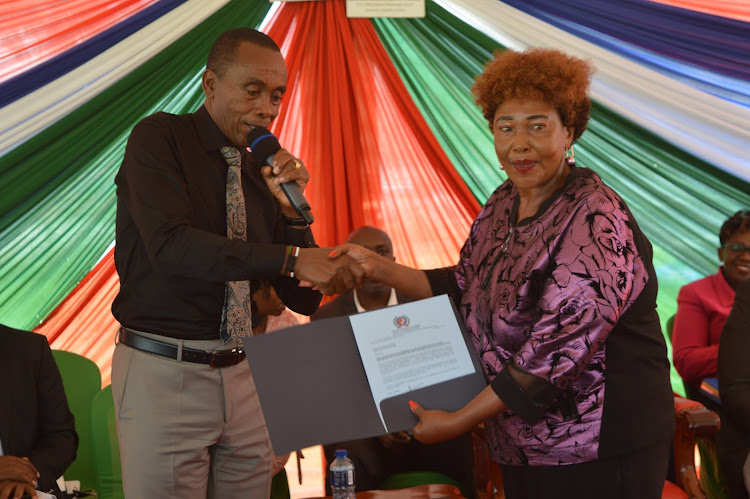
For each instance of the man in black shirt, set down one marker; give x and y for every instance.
(189, 421)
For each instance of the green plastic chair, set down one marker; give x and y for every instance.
(280, 486)
(106, 447)
(82, 381)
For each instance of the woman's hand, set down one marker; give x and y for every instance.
(366, 258)
(436, 426)
(394, 440)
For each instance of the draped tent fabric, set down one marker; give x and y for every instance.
(713, 129)
(44, 41)
(372, 158)
(381, 113)
(735, 9)
(715, 43)
(34, 32)
(86, 312)
(29, 115)
(707, 52)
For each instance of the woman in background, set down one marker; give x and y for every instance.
(703, 306)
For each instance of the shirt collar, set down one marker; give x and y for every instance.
(392, 300)
(209, 133)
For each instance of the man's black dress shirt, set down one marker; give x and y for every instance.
(172, 252)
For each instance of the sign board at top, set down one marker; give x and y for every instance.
(385, 8)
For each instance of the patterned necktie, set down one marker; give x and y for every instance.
(235, 319)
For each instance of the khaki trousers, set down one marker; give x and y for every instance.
(188, 430)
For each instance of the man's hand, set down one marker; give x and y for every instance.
(366, 258)
(11, 489)
(327, 275)
(18, 469)
(393, 440)
(285, 168)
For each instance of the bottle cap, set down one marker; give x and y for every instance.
(340, 453)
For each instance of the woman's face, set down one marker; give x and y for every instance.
(530, 142)
(736, 262)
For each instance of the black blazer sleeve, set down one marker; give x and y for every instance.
(57, 440)
(35, 420)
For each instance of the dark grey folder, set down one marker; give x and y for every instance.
(313, 388)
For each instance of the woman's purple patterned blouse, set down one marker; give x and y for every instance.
(542, 297)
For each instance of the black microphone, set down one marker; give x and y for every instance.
(263, 145)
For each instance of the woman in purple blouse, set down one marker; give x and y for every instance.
(557, 290)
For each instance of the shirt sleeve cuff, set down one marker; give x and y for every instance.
(443, 281)
(530, 402)
(299, 237)
(266, 260)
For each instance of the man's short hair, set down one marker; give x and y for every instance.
(224, 49)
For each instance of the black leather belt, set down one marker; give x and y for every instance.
(219, 358)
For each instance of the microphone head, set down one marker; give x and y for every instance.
(263, 144)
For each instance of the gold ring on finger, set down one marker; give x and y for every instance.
(297, 164)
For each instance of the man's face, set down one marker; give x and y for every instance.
(378, 242)
(248, 94)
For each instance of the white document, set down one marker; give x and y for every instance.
(410, 346)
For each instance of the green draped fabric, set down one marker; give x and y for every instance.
(438, 58)
(57, 208)
(679, 201)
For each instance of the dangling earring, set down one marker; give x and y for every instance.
(570, 160)
(501, 166)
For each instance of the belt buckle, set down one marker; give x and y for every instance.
(227, 358)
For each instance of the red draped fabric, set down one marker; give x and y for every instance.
(372, 159)
(34, 31)
(83, 322)
(735, 9)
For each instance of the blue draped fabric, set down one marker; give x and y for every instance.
(48, 71)
(709, 52)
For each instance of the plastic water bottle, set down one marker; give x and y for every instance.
(342, 476)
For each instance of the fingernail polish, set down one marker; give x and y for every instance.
(333, 252)
(412, 404)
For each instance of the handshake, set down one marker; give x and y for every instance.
(335, 270)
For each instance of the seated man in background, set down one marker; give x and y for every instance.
(375, 459)
(38, 440)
